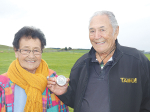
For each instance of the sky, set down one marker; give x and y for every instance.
(65, 22)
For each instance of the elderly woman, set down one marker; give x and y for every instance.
(23, 87)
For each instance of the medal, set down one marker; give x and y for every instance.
(102, 65)
(61, 80)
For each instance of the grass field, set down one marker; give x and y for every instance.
(61, 62)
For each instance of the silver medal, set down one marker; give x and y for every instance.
(61, 80)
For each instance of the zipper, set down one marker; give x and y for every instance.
(108, 81)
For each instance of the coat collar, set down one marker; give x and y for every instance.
(116, 54)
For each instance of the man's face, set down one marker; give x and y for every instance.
(29, 62)
(101, 34)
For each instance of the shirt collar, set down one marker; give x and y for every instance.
(93, 56)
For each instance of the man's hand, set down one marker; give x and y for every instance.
(55, 88)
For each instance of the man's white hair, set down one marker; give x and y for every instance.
(111, 17)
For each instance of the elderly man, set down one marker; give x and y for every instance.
(110, 78)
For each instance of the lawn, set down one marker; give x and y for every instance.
(148, 56)
(61, 62)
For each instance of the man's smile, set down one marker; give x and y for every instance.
(100, 42)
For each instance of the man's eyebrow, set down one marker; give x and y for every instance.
(99, 27)
(91, 28)
(102, 26)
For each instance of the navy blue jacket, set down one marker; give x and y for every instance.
(129, 82)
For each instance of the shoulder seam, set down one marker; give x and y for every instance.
(137, 59)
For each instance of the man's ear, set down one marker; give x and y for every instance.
(116, 33)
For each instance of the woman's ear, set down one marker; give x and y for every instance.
(16, 52)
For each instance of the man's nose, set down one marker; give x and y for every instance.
(97, 35)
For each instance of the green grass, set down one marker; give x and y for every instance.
(5, 60)
(61, 62)
(148, 56)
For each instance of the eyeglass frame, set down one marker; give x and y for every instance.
(29, 51)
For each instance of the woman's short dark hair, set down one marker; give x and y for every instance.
(27, 31)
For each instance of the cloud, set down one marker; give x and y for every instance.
(8, 10)
(65, 23)
(136, 34)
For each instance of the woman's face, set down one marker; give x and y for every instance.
(29, 60)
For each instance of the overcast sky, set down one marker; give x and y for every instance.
(65, 22)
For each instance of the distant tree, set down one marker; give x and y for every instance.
(66, 48)
(69, 48)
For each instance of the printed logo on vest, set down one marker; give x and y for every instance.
(128, 80)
